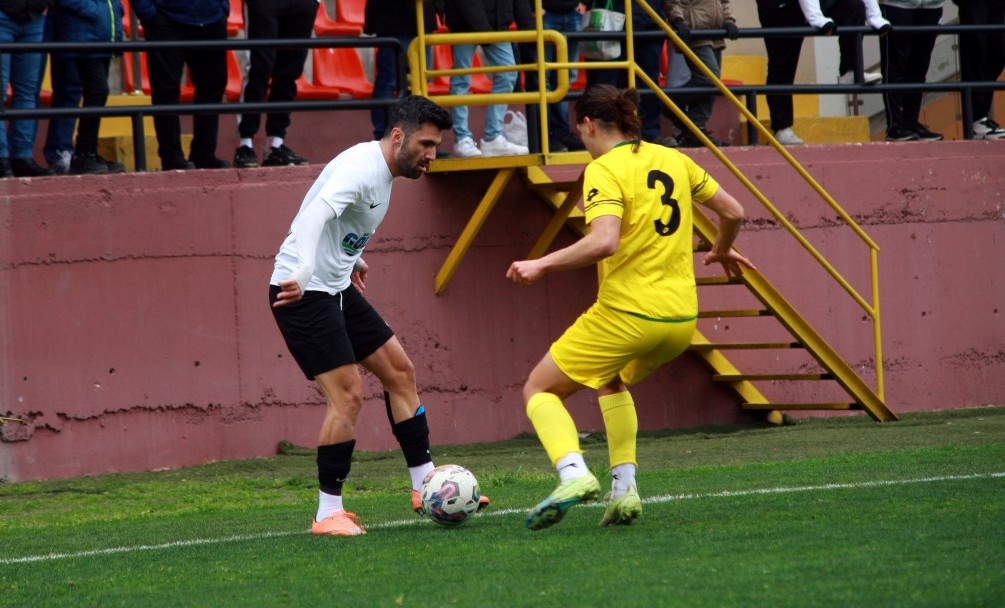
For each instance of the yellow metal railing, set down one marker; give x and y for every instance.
(420, 73)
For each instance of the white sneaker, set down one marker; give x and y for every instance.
(62, 165)
(986, 128)
(788, 137)
(466, 148)
(867, 78)
(501, 146)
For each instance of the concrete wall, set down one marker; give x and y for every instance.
(135, 333)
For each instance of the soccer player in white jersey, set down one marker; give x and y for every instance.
(328, 325)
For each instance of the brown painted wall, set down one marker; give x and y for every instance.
(135, 332)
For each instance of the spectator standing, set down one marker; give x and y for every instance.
(783, 58)
(982, 59)
(387, 18)
(272, 75)
(189, 21)
(828, 15)
(685, 15)
(648, 55)
(89, 21)
(21, 21)
(66, 93)
(562, 16)
(483, 16)
(904, 59)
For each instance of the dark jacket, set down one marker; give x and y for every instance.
(24, 10)
(189, 12)
(395, 18)
(485, 15)
(87, 21)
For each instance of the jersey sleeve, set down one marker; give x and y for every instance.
(703, 186)
(342, 188)
(601, 192)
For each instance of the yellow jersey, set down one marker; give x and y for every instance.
(651, 190)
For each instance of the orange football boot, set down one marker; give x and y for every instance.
(341, 523)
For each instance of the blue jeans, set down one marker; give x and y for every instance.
(66, 93)
(385, 80)
(683, 74)
(21, 70)
(502, 82)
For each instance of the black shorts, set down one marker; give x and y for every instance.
(325, 331)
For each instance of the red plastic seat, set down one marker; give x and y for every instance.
(324, 25)
(351, 11)
(338, 74)
(127, 24)
(342, 69)
(235, 19)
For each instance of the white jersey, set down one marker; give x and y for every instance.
(356, 184)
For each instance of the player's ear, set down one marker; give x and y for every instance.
(397, 136)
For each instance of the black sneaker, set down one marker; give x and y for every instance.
(209, 162)
(5, 170)
(113, 167)
(87, 164)
(899, 133)
(924, 134)
(688, 139)
(282, 157)
(668, 141)
(244, 158)
(27, 167)
(177, 164)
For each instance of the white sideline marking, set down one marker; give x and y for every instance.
(406, 522)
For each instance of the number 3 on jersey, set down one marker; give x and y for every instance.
(665, 228)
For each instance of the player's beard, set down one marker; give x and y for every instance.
(409, 162)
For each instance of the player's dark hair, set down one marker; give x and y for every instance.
(604, 103)
(413, 111)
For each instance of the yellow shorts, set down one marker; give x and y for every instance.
(604, 343)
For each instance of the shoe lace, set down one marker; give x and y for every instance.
(991, 124)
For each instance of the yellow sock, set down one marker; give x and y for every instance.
(554, 426)
(622, 424)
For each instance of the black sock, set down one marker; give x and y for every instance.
(413, 437)
(333, 466)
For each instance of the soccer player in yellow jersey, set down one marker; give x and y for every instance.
(637, 200)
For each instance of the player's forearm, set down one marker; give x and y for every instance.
(307, 230)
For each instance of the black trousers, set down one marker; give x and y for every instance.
(982, 56)
(93, 72)
(273, 73)
(783, 55)
(207, 69)
(904, 58)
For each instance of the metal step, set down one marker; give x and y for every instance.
(752, 377)
(744, 345)
(715, 314)
(718, 281)
(801, 406)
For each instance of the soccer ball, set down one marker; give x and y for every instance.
(450, 494)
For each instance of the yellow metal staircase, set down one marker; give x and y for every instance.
(801, 335)
(823, 363)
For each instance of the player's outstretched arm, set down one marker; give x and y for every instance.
(730, 214)
(601, 242)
